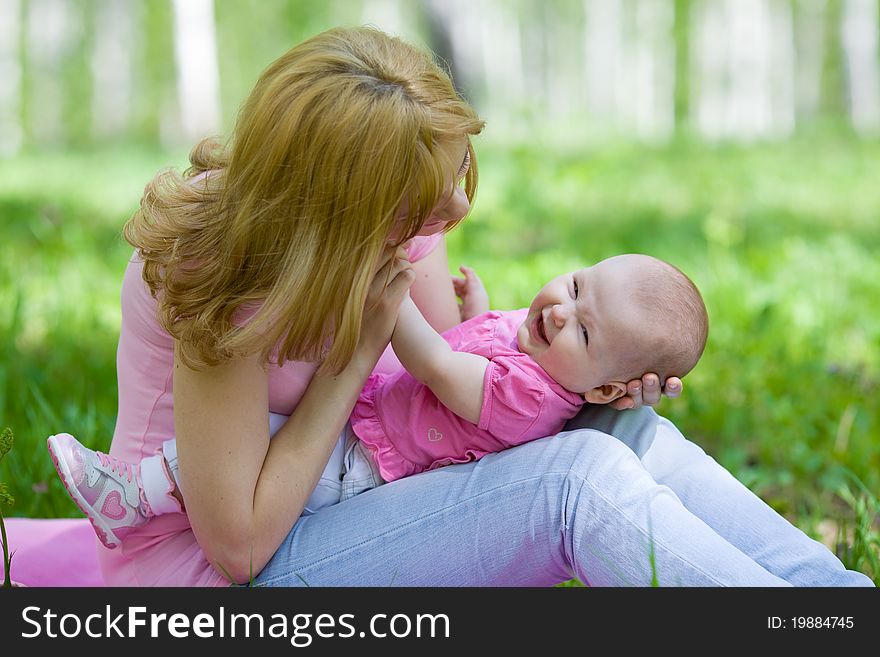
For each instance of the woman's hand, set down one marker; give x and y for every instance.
(390, 284)
(647, 390)
(472, 292)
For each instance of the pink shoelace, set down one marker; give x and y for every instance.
(124, 469)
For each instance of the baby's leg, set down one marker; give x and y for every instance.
(117, 496)
(110, 492)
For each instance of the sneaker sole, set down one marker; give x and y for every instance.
(105, 534)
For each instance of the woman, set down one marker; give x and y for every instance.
(278, 253)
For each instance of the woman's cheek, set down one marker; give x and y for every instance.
(432, 227)
(454, 209)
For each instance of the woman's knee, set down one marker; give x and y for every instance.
(634, 428)
(604, 483)
(597, 457)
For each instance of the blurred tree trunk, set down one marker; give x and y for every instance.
(630, 65)
(154, 114)
(810, 17)
(747, 105)
(502, 61)
(10, 73)
(387, 13)
(52, 29)
(859, 34)
(782, 69)
(682, 45)
(561, 34)
(653, 83)
(744, 50)
(198, 74)
(833, 92)
(111, 62)
(603, 57)
(534, 63)
(448, 27)
(709, 78)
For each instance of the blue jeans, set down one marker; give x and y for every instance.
(619, 503)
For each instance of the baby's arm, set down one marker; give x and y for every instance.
(456, 377)
(433, 291)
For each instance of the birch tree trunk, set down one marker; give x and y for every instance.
(748, 112)
(810, 53)
(534, 63)
(198, 74)
(629, 65)
(709, 78)
(10, 74)
(52, 28)
(744, 51)
(783, 56)
(384, 14)
(112, 67)
(653, 47)
(859, 35)
(603, 52)
(502, 59)
(455, 38)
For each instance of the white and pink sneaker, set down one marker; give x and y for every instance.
(107, 490)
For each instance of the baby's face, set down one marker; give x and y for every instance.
(583, 325)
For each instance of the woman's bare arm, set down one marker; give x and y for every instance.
(244, 494)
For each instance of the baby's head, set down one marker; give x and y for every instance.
(594, 329)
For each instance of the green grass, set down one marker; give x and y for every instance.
(781, 239)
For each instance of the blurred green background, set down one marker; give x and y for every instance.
(757, 177)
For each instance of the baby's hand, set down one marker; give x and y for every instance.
(473, 295)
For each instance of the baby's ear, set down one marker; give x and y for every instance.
(607, 393)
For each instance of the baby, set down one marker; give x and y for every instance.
(497, 380)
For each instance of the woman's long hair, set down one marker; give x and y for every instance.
(268, 245)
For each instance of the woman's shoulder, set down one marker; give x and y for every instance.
(139, 307)
(134, 288)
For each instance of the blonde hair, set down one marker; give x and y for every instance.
(287, 224)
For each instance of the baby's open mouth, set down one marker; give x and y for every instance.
(539, 325)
